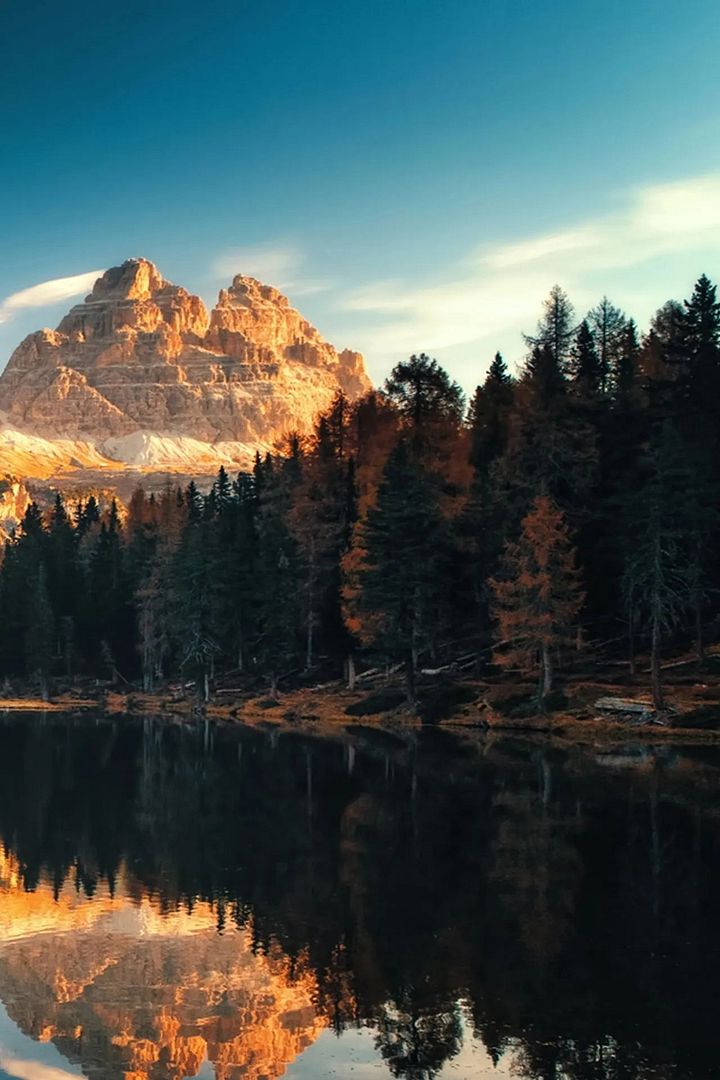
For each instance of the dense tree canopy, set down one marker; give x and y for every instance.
(401, 532)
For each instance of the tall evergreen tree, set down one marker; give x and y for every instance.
(488, 415)
(277, 570)
(608, 325)
(657, 577)
(587, 371)
(402, 586)
(39, 633)
(556, 328)
(423, 392)
(697, 354)
(625, 372)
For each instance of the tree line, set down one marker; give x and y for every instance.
(574, 503)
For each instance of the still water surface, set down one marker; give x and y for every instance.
(247, 904)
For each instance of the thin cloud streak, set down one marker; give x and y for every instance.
(267, 262)
(279, 264)
(27, 1069)
(48, 292)
(497, 290)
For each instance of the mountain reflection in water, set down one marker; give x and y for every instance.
(180, 901)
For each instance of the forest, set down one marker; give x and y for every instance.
(569, 507)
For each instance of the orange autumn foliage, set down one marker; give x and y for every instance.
(538, 599)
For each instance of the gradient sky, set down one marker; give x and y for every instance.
(415, 175)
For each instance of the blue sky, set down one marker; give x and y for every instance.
(416, 175)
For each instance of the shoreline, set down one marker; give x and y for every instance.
(334, 708)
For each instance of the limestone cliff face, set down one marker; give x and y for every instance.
(142, 355)
(14, 501)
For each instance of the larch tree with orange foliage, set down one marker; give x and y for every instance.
(538, 597)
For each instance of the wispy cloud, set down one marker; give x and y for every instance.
(48, 292)
(27, 1069)
(280, 264)
(496, 290)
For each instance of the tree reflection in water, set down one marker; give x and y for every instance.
(564, 900)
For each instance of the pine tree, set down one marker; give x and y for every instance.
(277, 571)
(697, 355)
(556, 328)
(22, 557)
(194, 502)
(242, 581)
(544, 374)
(222, 490)
(319, 524)
(39, 633)
(625, 372)
(551, 447)
(608, 325)
(109, 614)
(657, 577)
(488, 416)
(538, 598)
(423, 392)
(658, 354)
(63, 583)
(87, 516)
(587, 372)
(191, 612)
(402, 587)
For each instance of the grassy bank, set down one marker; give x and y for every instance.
(497, 703)
(470, 703)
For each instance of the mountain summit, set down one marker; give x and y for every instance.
(140, 370)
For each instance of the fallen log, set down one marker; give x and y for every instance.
(623, 705)
(378, 673)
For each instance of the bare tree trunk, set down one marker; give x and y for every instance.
(309, 786)
(546, 673)
(699, 636)
(410, 682)
(546, 780)
(350, 670)
(631, 644)
(311, 608)
(655, 676)
(310, 640)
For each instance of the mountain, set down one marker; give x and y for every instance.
(140, 375)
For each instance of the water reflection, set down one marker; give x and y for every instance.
(193, 902)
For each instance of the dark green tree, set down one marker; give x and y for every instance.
(608, 325)
(587, 371)
(488, 415)
(423, 392)
(556, 328)
(403, 585)
(39, 634)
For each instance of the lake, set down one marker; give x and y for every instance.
(246, 903)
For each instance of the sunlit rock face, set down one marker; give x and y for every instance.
(14, 501)
(124, 991)
(140, 357)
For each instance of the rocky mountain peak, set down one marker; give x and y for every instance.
(141, 356)
(135, 279)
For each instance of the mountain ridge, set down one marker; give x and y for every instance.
(140, 374)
